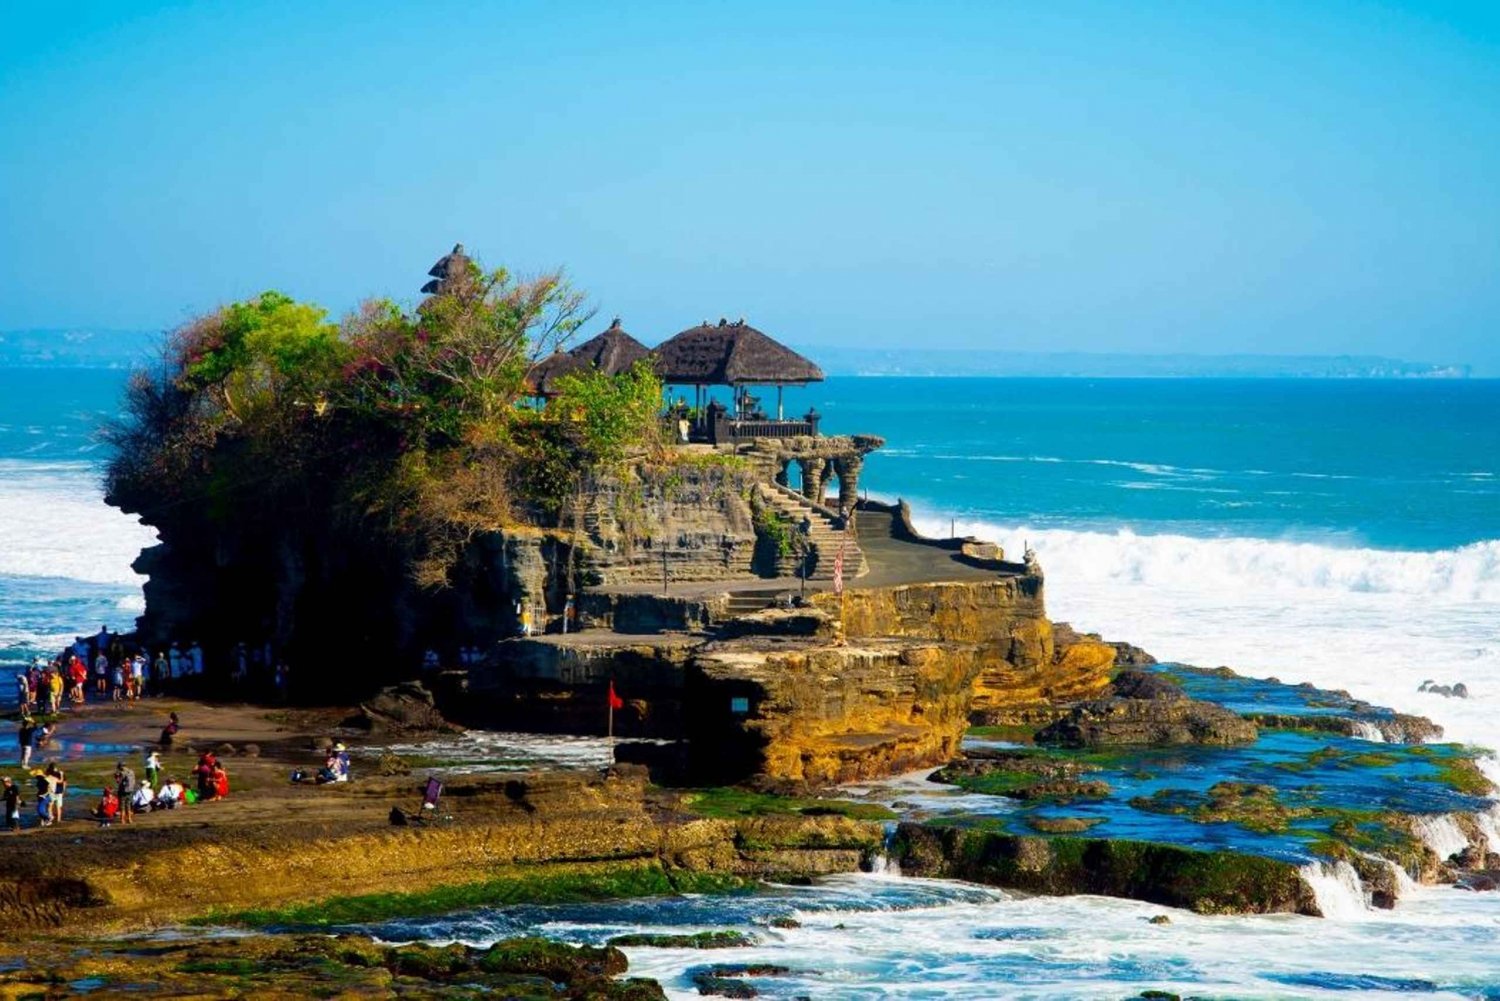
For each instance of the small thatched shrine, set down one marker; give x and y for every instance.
(736, 355)
(612, 352)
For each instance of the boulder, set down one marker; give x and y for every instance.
(405, 708)
(1140, 722)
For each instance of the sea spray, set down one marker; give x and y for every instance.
(1441, 833)
(1337, 888)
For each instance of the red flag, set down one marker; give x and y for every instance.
(615, 702)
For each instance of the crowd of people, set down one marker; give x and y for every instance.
(126, 796)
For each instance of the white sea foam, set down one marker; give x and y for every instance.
(54, 523)
(1441, 833)
(1375, 622)
(1337, 888)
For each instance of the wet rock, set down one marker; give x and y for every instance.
(1208, 882)
(1063, 825)
(250, 750)
(391, 763)
(1458, 690)
(698, 940)
(1145, 685)
(724, 980)
(784, 922)
(1159, 919)
(225, 750)
(406, 708)
(1394, 728)
(1484, 880)
(1141, 722)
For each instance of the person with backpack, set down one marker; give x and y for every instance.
(125, 791)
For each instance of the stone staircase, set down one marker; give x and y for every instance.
(823, 535)
(749, 602)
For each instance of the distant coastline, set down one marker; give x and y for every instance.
(1077, 364)
(70, 348)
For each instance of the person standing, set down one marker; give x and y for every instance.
(125, 790)
(59, 792)
(25, 736)
(101, 672)
(44, 785)
(138, 669)
(12, 795)
(117, 683)
(153, 768)
(195, 655)
(161, 668)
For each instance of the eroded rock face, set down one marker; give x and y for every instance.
(806, 713)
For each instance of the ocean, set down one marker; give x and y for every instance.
(1341, 533)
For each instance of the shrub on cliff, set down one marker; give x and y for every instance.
(409, 427)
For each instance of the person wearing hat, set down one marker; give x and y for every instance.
(12, 797)
(341, 769)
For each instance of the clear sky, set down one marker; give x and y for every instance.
(1204, 177)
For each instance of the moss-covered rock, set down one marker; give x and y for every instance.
(1210, 882)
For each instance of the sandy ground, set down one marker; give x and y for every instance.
(267, 743)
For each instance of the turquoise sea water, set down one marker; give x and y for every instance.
(1343, 533)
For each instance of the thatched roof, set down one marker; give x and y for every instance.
(542, 379)
(729, 354)
(453, 263)
(611, 352)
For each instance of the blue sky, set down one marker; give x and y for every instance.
(1151, 177)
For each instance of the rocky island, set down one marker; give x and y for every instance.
(445, 517)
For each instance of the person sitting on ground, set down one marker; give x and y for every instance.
(171, 795)
(143, 801)
(330, 770)
(341, 763)
(108, 808)
(169, 731)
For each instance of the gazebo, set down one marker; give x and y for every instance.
(611, 352)
(737, 355)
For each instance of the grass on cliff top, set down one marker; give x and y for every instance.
(730, 802)
(543, 884)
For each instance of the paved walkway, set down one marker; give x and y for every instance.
(893, 561)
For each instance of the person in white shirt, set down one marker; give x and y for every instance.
(142, 800)
(170, 796)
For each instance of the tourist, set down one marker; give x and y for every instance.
(101, 673)
(153, 767)
(78, 675)
(117, 683)
(108, 808)
(283, 677)
(171, 796)
(175, 667)
(23, 692)
(138, 675)
(143, 800)
(12, 795)
(204, 772)
(25, 737)
(44, 786)
(59, 791)
(125, 789)
(430, 662)
(195, 655)
(55, 690)
(161, 669)
(169, 731)
(218, 781)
